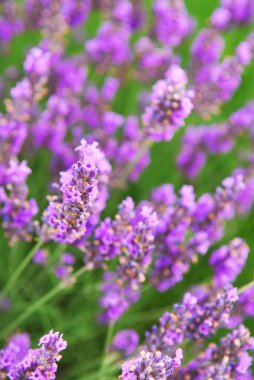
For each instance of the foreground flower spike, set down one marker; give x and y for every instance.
(172, 21)
(130, 237)
(15, 350)
(40, 363)
(94, 151)
(228, 261)
(148, 365)
(170, 105)
(65, 219)
(125, 342)
(229, 360)
(191, 319)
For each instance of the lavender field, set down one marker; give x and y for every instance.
(127, 189)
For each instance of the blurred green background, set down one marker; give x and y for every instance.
(74, 311)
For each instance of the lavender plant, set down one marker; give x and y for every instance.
(126, 189)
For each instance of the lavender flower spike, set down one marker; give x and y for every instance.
(66, 216)
(41, 363)
(191, 320)
(228, 261)
(172, 22)
(152, 366)
(125, 342)
(170, 105)
(229, 360)
(13, 352)
(130, 237)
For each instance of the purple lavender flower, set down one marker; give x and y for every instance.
(15, 210)
(233, 12)
(199, 141)
(170, 105)
(243, 309)
(148, 365)
(110, 46)
(40, 257)
(246, 299)
(192, 157)
(75, 11)
(10, 22)
(130, 150)
(130, 237)
(228, 261)
(40, 363)
(65, 268)
(172, 21)
(103, 179)
(216, 83)
(191, 319)
(51, 128)
(172, 258)
(188, 227)
(207, 47)
(125, 342)
(130, 13)
(38, 62)
(212, 211)
(229, 360)
(31, 89)
(66, 216)
(15, 350)
(153, 61)
(12, 136)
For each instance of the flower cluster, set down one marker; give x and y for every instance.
(125, 342)
(170, 105)
(200, 141)
(188, 227)
(191, 319)
(172, 22)
(148, 365)
(18, 361)
(229, 360)
(228, 261)
(130, 238)
(65, 219)
(16, 210)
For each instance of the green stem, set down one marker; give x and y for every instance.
(106, 348)
(22, 266)
(245, 287)
(38, 304)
